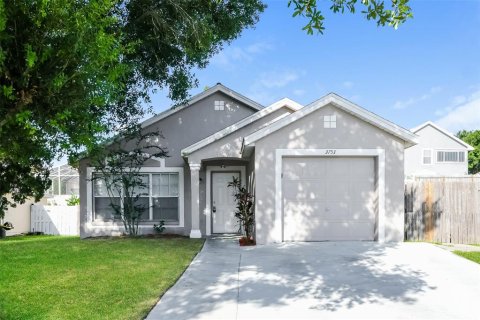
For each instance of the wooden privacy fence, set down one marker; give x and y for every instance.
(55, 220)
(443, 210)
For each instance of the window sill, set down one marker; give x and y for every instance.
(100, 223)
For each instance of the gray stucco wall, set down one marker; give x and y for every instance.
(216, 154)
(431, 138)
(180, 130)
(308, 133)
(230, 145)
(195, 123)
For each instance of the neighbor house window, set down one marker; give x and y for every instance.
(219, 105)
(159, 195)
(450, 156)
(427, 156)
(329, 121)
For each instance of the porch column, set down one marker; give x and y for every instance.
(195, 194)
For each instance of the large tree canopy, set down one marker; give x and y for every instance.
(389, 12)
(73, 72)
(473, 139)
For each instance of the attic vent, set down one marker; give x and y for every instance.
(330, 122)
(219, 105)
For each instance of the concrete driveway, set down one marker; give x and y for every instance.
(325, 280)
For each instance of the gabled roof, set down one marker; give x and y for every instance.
(285, 102)
(342, 103)
(216, 88)
(445, 132)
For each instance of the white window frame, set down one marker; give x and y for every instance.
(330, 122)
(450, 150)
(142, 224)
(219, 105)
(431, 157)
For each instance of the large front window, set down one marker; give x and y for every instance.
(159, 195)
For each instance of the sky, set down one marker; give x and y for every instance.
(428, 69)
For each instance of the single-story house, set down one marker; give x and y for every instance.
(438, 153)
(330, 170)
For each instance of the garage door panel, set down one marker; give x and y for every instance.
(362, 211)
(362, 191)
(363, 167)
(304, 190)
(303, 209)
(337, 168)
(337, 190)
(307, 168)
(328, 199)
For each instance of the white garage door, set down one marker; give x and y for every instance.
(328, 198)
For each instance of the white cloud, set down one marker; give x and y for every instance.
(465, 116)
(299, 92)
(402, 104)
(459, 100)
(269, 86)
(348, 84)
(277, 79)
(230, 57)
(355, 98)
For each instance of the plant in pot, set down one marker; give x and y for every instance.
(4, 227)
(244, 211)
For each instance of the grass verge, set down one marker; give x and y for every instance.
(471, 255)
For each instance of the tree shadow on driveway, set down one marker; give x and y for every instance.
(318, 277)
(328, 275)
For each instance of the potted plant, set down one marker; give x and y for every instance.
(244, 212)
(3, 229)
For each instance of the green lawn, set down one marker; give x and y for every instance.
(46, 277)
(474, 256)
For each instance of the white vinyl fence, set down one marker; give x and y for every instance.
(55, 220)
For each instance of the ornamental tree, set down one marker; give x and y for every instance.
(117, 167)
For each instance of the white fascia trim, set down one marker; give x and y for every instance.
(181, 193)
(208, 194)
(445, 132)
(217, 88)
(378, 153)
(345, 105)
(292, 105)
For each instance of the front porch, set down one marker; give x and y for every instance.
(212, 202)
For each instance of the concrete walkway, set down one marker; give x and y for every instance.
(325, 280)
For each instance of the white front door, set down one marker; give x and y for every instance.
(223, 203)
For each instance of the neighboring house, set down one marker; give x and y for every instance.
(64, 185)
(328, 171)
(438, 153)
(19, 217)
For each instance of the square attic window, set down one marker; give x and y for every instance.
(219, 105)
(330, 122)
